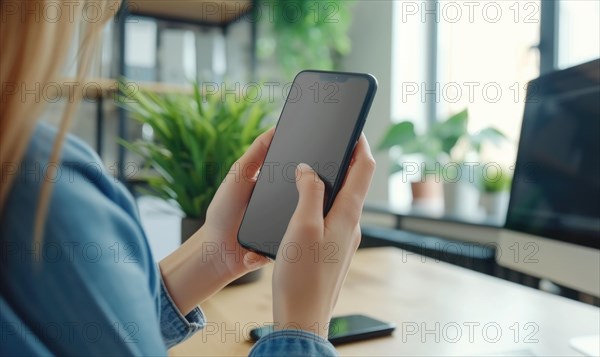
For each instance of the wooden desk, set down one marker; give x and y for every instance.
(439, 309)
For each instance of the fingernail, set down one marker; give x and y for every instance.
(302, 166)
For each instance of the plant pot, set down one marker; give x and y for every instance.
(495, 204)
(428, 189)
(461, 200)
(427, 197)
(189, 226)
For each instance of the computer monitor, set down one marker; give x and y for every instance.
(552, 226)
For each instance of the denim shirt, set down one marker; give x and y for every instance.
(92, 286)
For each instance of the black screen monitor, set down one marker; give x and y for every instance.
(554, 211)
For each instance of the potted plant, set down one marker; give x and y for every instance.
(305, 34)
(462, 173)
(495, 195)
(461, 193)
(195, 139)
(430, 149)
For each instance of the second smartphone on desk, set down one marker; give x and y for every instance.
(344, 329)
(321, 122)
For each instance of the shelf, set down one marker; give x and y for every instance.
(424, 215)
(96, 88)
(202, 12)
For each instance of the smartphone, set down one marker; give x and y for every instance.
(344, 329)
(320, 124)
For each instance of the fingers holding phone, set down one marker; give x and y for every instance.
(230, 201)
(315, 253)
(348, 205)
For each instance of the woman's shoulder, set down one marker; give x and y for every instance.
(88, 209)
(42, 141)
(76, 157)
(79, 165)
(84, 195)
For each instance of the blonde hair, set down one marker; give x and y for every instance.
(36, 36)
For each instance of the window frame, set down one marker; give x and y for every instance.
(547, 48)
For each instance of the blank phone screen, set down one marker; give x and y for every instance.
(318, 126)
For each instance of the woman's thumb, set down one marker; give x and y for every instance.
(311, 191)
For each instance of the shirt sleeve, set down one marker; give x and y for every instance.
(175, 327)
(292, 343)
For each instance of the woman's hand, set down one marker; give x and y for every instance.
(212, 257)
(306, 284)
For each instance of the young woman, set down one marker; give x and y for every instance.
(77, 275)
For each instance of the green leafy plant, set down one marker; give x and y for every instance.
(489, 134)
(495, 184)
(306, 33)
(196, 139)
(435, 145)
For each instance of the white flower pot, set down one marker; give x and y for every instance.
(461, 200)
(495, 204)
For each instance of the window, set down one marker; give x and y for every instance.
(449, 55)
(484, 64)
(578, 32)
